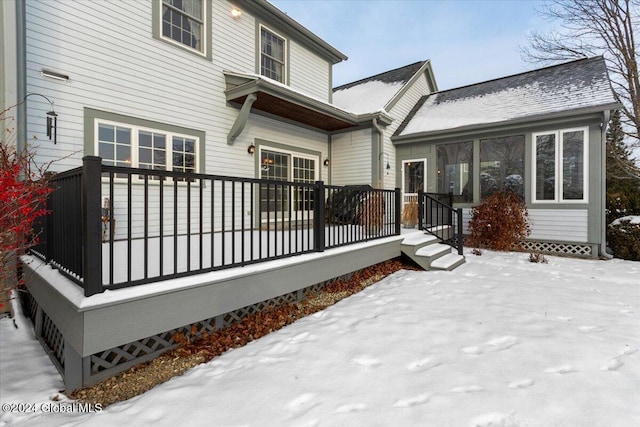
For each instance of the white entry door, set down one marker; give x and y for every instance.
(414, 179)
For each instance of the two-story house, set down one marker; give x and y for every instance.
(203, 154)
(193, 134)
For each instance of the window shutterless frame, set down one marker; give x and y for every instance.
(135, 138)
(185, 20)
(272, 57)
(555, 165)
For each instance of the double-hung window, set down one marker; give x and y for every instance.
(126, 145)
(272, 55)
(560, 166)
(183, 22)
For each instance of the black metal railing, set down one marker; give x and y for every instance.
(437, 216)
(113, 227)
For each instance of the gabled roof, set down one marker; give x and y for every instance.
(378, 92)
(570, 88)
(271, 15)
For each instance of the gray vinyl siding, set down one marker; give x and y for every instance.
(309, 73)
(570, 225)
(351, 158)
(115, 65)
(399, 111)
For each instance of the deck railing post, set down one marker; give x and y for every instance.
(459, 230)
(398, 211)
(318, 216)
(420, 208)
(91, 225)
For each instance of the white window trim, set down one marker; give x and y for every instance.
(284, 54)
(291, 154)
(135, 147)
(206, 19)
(424, 183)
(559, 178)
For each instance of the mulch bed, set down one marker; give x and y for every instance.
(193, 351)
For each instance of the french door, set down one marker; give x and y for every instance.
(281, 165)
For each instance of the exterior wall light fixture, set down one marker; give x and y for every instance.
(251, 149)
(326, 162)
(235, 13)
(52, 119)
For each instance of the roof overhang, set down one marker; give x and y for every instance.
(278, 100)
(533, 120)
(271, 15)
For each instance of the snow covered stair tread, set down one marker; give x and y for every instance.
(432, 251)
(419, 238)
(448, 262)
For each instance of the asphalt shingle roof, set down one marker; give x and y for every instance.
(570, 86)
(373, 93)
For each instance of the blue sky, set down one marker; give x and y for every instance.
(467, 41)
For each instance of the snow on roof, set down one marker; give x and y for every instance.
(571, 86)
(367, 97)
(374, 93)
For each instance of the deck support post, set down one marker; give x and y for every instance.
(91, 225)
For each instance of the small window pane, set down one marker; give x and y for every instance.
(546, 167)
(123, 136)
(106, 133)
(145, 139)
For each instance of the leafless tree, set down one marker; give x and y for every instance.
(596, 27)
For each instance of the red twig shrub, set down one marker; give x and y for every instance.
(23, 193)
(500, 222)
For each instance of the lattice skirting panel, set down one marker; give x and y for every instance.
(53, 339)
(110, 362)
(105, 364)
(28, 303)
(47, 332)
(551, 248)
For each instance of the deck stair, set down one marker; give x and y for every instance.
(429, 253)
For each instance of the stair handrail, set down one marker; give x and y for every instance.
(445, 214)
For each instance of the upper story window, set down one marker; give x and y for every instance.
(272, 55)
(560, 169)
(127, 145)
(183, 21)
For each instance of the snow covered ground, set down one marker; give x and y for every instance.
(497, 342)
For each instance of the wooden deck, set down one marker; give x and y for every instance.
(87, 327)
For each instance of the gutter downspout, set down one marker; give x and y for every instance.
(603, 191)
(377, 127)
(21, 76)
(241, 120)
